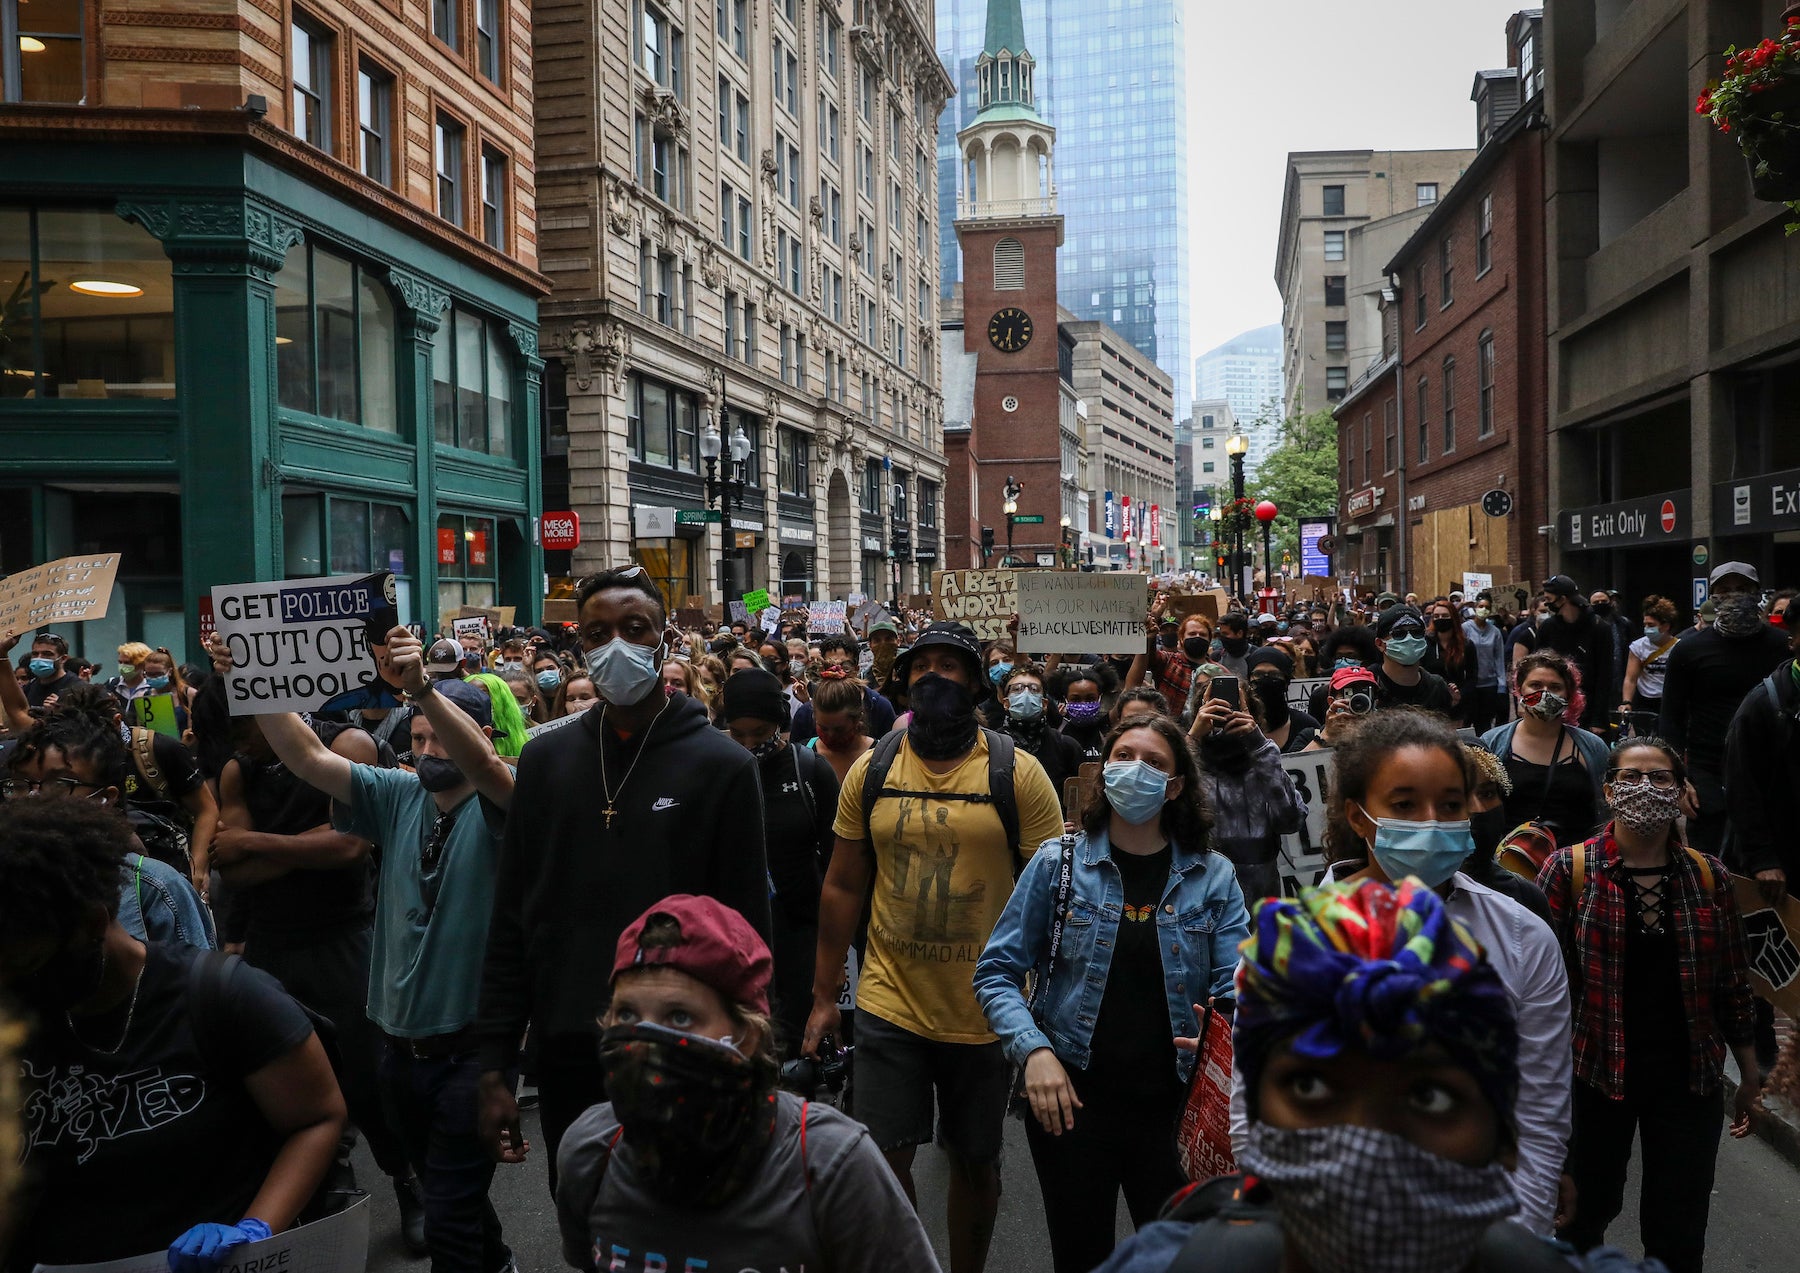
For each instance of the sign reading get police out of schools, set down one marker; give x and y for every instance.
(300, 645)
(1068, 612)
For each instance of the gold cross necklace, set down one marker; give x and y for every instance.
(605, 787)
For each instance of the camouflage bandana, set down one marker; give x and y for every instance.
(696, 1117)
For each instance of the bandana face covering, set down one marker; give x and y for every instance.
(1644, 810)
(1356, 1198)
(943, 724)
(1739, 615)
(695, 1115)
(1544, 704)
(770, 747)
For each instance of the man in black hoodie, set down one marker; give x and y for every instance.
(632, 801)
(1574, 632)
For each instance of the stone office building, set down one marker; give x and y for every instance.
(739, 217)
(268, 301)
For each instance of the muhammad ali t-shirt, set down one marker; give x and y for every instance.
(126, 1152)
(943, 873)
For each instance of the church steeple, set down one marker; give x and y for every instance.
(1006, 67)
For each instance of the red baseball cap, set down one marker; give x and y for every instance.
(717, 946)
(1351, 676)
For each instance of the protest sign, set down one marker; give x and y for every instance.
(336, 1244)
(156, 712)
(67, 590)
(771, 620)
(824, 618)
(740, 613)
(1474, 583)
(757, 601)
(1771, 944)
(497, 616)
(304, 645)
(690, 617)
(551, 726)
(986, 600)
(1203, 1136)
(1067, 612)
(560, 610)
(855, 599)
(1303, 852)
(1300, 692)
(474, 627)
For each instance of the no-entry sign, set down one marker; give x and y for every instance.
(1668, 516)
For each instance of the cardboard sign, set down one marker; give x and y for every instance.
(303, 645)
(1079, 790)
(1303, 852)
(1771, 944)
(561, 610)
(67, 590)
(1204, 604)
(756, 602)
(156, 712)
(1203, 1136)
(336, 1244)
(986, 600)
(1065, 612)
(825, 618)
(690, 617)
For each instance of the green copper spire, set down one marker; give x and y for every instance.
(1005, 28)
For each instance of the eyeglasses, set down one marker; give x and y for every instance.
(1661, 779)
(19, 788)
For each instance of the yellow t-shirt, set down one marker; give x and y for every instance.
(943, 873)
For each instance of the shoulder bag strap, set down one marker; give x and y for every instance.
(143, 750)
(1065, 890)
(1578, 874)
(1706, 871)
(1550, 773)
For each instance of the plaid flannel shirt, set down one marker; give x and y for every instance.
(1709, 940)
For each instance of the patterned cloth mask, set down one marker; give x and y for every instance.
(1645, 811)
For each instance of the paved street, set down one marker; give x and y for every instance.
(1752, 1229)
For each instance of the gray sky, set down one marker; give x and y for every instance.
(1269, 76)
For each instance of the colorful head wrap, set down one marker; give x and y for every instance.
(1381, 968)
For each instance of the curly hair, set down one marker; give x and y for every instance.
(1351, 640)
(1660, 609)
(87, 738)
(95, 700)
(1364, 748)
(1186, 818)
(1067, 674)
(59, 859)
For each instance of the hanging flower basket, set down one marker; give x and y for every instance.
(1757, 104)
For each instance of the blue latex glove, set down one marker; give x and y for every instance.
(203, 1247)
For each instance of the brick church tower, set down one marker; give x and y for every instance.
(1009, 232)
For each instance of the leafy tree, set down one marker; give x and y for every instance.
(1301, 476)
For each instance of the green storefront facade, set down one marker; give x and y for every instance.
(228, 373)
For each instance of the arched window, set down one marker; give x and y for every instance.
(1009, 265)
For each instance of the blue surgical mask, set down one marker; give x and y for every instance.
(1341, 664)
(42, 667)
(1025, 704)
(624, 671)
(157, 682)
(1430, 851)
(1406, 650)
(997, 673)
(1135, 790)
(1652, 631)
(549, 679)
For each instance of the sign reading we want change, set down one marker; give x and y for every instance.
(307, 644)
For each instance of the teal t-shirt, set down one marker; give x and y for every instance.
(430, 925)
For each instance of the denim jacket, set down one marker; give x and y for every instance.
(157, 903)
(1200, 914)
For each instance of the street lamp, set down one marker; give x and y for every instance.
(1011, 509)
(1266, 512)
(1216, 517)
(1235, 446)
(1067, 553)
(727, 490)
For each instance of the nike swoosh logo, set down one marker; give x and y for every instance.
(664, 803)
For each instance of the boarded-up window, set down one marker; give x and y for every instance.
(1009, 265)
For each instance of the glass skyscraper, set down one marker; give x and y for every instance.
(1110, 77)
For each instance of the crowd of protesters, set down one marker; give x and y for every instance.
(749, 914)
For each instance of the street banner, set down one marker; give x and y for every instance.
(1203, 1136)
(757, 601)
(825, 618)
(1112, 517)
(1303, 852)
(156, 712)
(1156, 525)
(337, 1244)
(740, 613)
(305, 645)
(1771, 944)
(986, 600)
(67, 590)
(1067, 612)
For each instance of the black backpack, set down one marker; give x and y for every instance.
(1000, 792)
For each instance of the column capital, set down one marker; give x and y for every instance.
(422, 298)
(217, 236)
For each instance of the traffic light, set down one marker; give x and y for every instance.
(987, 541)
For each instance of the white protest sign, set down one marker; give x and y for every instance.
(303, 645)
(68, 590)
(475, 627)
(1300, 691)
(336, 1244)
(1303, 852)
(1474, 583)
(771, 619)
(1068, 612)
(824, 618)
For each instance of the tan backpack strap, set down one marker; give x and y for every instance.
(1578, 874)
(143, 751)
(1706, 871)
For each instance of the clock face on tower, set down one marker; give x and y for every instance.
(1009, 331)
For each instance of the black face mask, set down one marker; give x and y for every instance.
(943, 724)
(695, 1113)
(1487, 830)
(1604, 609)
(1273, 694)
(1235, 646)
(68, 977)
(1196, 649)
(436, 773)
(1167, 640)
(1443, 625)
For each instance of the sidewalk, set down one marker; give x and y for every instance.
(1776, 1120)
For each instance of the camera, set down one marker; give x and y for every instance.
(1359, 699)
(808, 1076)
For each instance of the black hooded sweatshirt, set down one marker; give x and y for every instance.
(689, 820)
